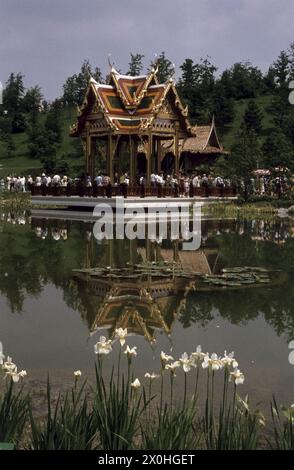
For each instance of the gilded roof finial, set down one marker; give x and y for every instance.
(111, 65)
(154, 68)
(173, 75)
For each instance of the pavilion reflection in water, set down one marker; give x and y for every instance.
(146, 295)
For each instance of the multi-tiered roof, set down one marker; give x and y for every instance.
(131, 104)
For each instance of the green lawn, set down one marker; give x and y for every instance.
(263, 102)
(21, 162)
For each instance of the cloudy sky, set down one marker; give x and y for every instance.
(47, 40)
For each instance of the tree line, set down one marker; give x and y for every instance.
(206, 93)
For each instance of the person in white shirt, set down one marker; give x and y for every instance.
(38, 181)
(127, 179)
(196, 182)
(22, 184)
(56, 180)
(98, 180)
(64, 182)
(153, 179)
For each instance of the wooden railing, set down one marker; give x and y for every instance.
(129, 191)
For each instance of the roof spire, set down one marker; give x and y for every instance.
(173, 74)
(108, 59)
(111, 65)
(154, 64)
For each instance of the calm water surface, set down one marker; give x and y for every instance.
(50, 316)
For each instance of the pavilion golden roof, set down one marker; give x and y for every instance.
(128, 103)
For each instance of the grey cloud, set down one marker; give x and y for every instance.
(48, 39)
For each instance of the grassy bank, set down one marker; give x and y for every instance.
(14, 202)
(258, 209)
(21, 163)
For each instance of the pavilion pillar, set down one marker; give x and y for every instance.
(109, 253)
(148, 159)
(88, 151)
(148, 250)
(109, 157)
(159, 156)
(131, 168)
(133, 159)
(92, 158)
(132, 251)
(153, 156)
(176, 251)
(116, 155)
(176, 140)
(133, 146)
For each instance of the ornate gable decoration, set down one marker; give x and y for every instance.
(131, 104)
(166, 109)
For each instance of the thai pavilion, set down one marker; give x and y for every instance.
(142, 126)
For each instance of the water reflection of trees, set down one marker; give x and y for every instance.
(35, 252)
(28, 262)
(240, 307)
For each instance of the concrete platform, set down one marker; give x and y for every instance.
(88, 203)
(85, 216)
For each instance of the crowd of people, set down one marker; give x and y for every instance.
(182, 184)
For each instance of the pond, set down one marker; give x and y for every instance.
(52, 313)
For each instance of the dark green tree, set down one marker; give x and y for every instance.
(71, 94)
(62, 165)
(269, 81)
(278, 151)
(13, 93)
(187, 85)
(165, 68)
(281, 69)
(245, 155)
(75, 86)
(49, 164)
(12, 100)
(135, 64)
(243, 80)
(8, 141)
(32, 102)
(41, 142)
(188, 79)
(77, 150)
(53, 122)
(253, 117)
(280, 109)
(291, 61)
(196, 87)
(18, 123)
(223, 106)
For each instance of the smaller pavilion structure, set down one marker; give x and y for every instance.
(201, 149)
